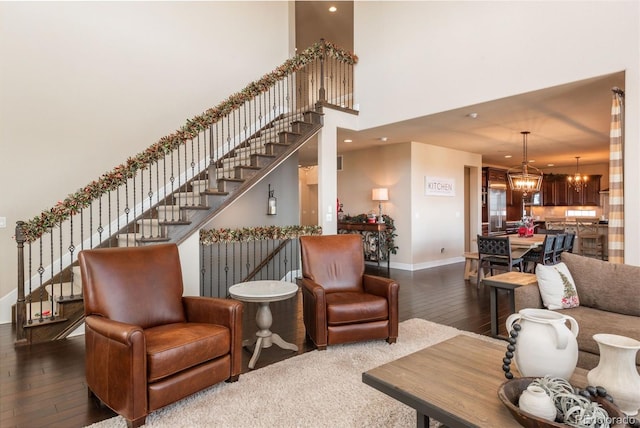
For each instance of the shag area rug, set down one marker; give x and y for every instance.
(315, 389)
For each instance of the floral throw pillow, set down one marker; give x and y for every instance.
(557, 288)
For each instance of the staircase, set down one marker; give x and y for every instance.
(169, 191)
(59, 309)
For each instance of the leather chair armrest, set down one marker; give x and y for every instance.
(113, 330)
(527, 296)
(380, 286)
(314, 311)
(116, 365)
(389, 289)
(226, 312)
(213, 310)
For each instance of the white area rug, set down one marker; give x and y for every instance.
(315, 389)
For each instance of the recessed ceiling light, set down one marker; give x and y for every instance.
(348, 141)
(532, 160)
(333, 9)
(551, 164)
(383, 138)
(508, 156)
(473, 115)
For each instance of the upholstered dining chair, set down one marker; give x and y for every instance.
(147, 345)
(494, 253)
(340, 302)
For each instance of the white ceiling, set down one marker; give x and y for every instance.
(565, 121)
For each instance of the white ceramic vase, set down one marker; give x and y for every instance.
(617, 372)
(535, 400)
(545, 346)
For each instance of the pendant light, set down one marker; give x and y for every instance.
(525, 178)
(577, 181)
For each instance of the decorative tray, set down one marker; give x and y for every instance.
(509, 393)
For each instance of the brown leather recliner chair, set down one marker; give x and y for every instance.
(146, 345)
(340, 302)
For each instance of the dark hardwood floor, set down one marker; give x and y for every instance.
(44, 386)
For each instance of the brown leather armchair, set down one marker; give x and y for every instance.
(146, 345)
(340, 302)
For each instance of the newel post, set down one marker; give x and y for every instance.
(21, 307)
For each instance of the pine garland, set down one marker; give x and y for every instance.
(260, 233)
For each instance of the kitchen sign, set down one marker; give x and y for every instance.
(437, 186)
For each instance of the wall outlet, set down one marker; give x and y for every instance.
(3, 222)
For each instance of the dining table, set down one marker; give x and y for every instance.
(520, 245)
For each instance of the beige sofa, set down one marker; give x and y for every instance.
(609, 302)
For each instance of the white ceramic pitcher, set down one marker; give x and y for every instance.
(545, 345)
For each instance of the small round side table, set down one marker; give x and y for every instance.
(263, 292)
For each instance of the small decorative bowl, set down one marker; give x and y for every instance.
(509, 393)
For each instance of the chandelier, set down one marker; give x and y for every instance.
(525, 178)
(577, 181)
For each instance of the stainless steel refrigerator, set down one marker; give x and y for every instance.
(497, 208)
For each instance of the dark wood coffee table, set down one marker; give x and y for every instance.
(455, 382)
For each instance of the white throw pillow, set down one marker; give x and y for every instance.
(557, 288)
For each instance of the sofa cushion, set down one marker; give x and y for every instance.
(556, 286)
(591, 321)
(603, 285)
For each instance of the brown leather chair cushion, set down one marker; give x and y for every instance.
(352, 307)
(172, 348)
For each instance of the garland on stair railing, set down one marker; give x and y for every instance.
(260, 233)
(72, 204)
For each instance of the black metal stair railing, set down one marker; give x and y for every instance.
(158, 194)
(231, 256)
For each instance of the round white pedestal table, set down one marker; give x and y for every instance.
(264, 292)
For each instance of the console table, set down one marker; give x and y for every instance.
(373, 236)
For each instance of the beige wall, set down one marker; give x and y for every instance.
(438, 222)
(424, 224)
(388, 167)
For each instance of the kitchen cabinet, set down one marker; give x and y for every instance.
(589, 195)
(556, 191)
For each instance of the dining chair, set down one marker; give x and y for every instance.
(590, 240)
(494, 253)
(542, 255)
(558, 247)
(555, 223)
(569, 241)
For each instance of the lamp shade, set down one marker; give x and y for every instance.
(380, 194)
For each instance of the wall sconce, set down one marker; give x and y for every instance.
(381, 194)
(272, 203)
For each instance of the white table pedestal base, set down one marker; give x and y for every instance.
(265, 337)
